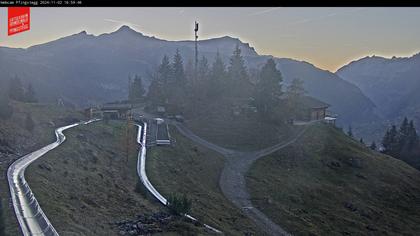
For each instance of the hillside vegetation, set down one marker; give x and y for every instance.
(87, 182)
(238, 132)
(329, 184)
(18, 137)
(193, 170)
(89, 186)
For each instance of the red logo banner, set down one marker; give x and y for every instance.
(19, 19)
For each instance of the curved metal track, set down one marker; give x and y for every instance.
(31, 217)
(141, 171)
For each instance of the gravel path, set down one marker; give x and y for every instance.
(232, 180)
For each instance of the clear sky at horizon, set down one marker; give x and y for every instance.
(325, 37)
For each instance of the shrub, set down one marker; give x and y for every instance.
(179, 205)
(140, 188)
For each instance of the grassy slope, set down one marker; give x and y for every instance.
(330, 184)
(242, 132)
(13, 133)
(89, 182)
(194, 170)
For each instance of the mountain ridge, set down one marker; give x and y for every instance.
(87, 69)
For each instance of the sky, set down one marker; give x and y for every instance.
(326, 37)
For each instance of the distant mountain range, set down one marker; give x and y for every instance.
(392, 84)
(84, 69)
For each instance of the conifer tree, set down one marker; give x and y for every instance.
(412, 136)
(178, 69)
(237, 68)
(295, 91)
(390, 142)
(164, 70)
(268, 89)
(136, 88)
(350, 132)
(159, 88)
(177, 89)
(218, 74)
(373, 146)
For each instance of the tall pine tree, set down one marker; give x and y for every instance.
(295, 92)
(218, 74)
(268, 89)
(237, 69)
(350, 132)
(160, 88)
(178, 69)
(238, 83)
(136, 90)
(373, 146)
(390, 142)
(413, 138)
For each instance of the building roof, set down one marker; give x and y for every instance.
(116, 107)
(312, 102)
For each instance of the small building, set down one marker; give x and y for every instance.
(313, 110)
(93, 112)
(116, 111)
(109, 111)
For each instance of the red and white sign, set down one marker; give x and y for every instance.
(19, 19)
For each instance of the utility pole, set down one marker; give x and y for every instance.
(196, 51)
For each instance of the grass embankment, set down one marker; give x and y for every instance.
(329, 184)
(88, 181)
(245, 132)
(190, 169)
(16, 140)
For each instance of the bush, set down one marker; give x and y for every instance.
(179, 205)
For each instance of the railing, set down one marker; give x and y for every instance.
(31, 217)
(141, 171)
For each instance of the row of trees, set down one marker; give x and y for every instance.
(136, 89)
(174, 86)
(403, 142)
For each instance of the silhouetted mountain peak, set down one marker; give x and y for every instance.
(126, 29)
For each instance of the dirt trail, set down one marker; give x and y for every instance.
(232, 180)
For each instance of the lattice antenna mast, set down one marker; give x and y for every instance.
(196, 49)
